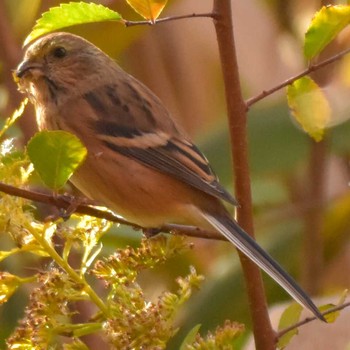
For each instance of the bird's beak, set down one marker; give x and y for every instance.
(25, 67)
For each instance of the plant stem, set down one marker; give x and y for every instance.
(78, 330)
(67, 268)
(313, 240)
(263, 333)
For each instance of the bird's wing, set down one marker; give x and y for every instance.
(173, 156)
(131, 120)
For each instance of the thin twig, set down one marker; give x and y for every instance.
(82, 207)
(167, 19)
(310, 319)
(291, 80)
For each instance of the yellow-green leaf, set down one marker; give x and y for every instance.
(71, 14)
(55, 156)
(309, 106)
(343, 296)
(8, 285)
(5, 254)
(148, 9)
(332, 316)
(190, 337)
(290, 316)
(15, 115)
(324, 27)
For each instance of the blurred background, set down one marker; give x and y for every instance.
(300, 188)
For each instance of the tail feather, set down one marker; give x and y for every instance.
(248, 246)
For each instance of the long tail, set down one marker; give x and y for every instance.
(248, 246)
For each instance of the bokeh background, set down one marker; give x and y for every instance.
(300, 188)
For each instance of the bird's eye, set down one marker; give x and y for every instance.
(59, 52)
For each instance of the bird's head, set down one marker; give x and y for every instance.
(59, 64)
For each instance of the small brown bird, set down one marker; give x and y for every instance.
(139, 163)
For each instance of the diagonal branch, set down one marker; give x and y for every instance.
(82, 207)
(310, 319)
(251, 101)
(291, 80)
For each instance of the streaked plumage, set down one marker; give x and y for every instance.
(140, 164)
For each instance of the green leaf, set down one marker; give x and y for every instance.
(309, 106)
(55, 156)
(290, 316)
(71, 14)
(190, 337)
(148, 9)
(324, 27)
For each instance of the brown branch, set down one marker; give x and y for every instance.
(167, 19)
(81, 207)
(310, 69)
(314, 190)
(310, 319)
(237, 116)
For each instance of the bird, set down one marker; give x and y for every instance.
(140, 163)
